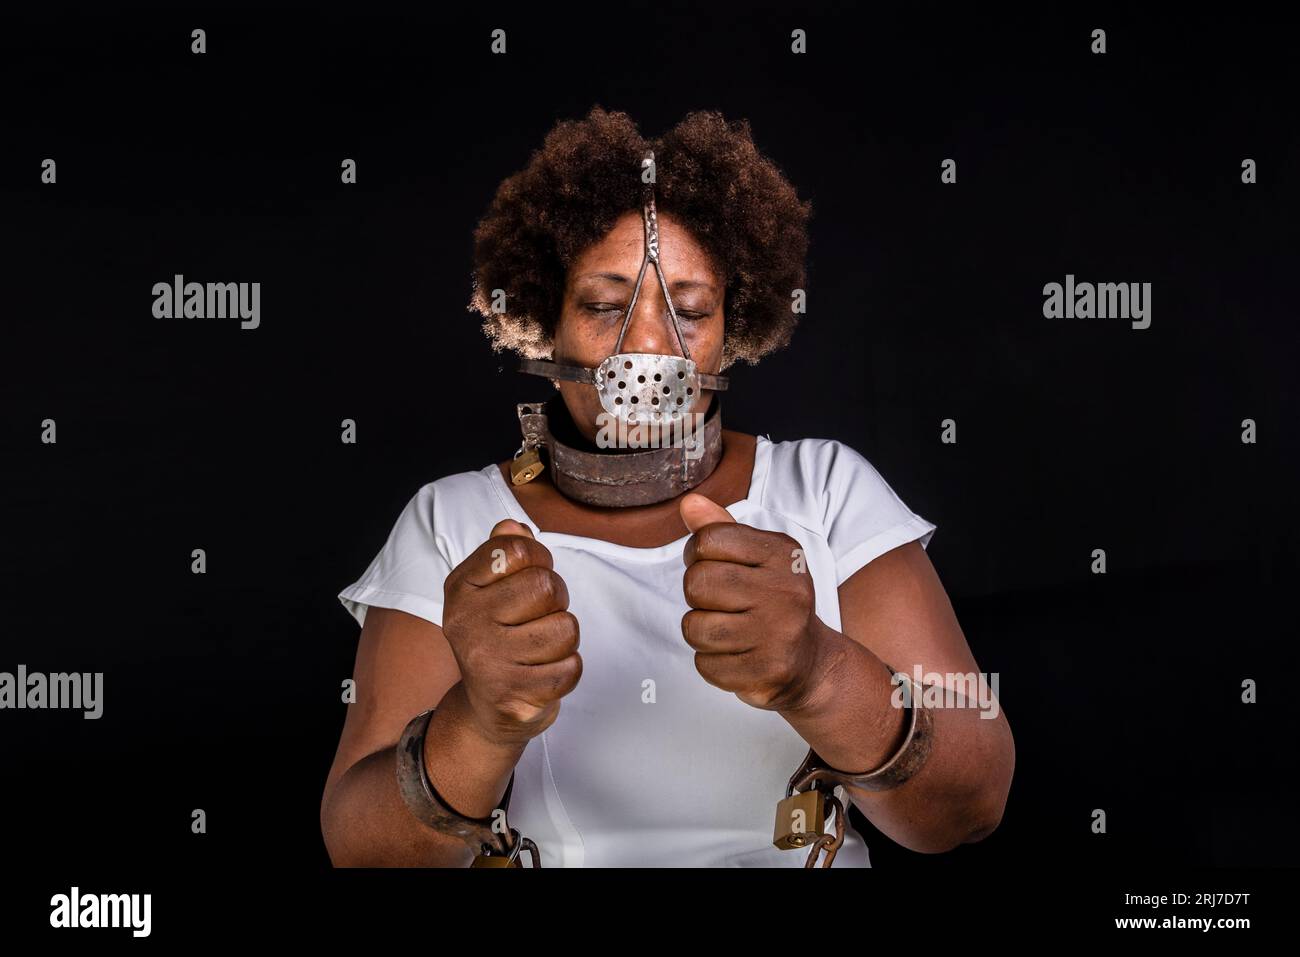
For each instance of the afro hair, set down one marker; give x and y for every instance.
(708, 174)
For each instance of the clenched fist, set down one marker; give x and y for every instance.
(505, 616)
(753, 622)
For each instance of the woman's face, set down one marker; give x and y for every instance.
(596, 293)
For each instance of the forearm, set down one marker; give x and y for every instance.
(849, 718)
(365, 821)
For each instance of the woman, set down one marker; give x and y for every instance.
(753, 615)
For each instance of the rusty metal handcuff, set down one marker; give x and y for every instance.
(801, 816)
(496, 844)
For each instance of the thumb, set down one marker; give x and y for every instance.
(510, 527)
(698, 510)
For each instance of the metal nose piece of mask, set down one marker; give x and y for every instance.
(641, 387)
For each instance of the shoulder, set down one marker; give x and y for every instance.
(814, 471)
(452, 513)
(439, 525)
(811, 454)
(830, 487)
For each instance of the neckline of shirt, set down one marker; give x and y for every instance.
(739, 510)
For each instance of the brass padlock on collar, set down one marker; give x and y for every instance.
(527, 465)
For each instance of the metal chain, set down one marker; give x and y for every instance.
(827, 842)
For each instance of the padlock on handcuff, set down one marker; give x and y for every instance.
(490, 857)
(801, 816)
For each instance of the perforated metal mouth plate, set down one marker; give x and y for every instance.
(647, 387)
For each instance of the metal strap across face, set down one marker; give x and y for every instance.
(641, 387)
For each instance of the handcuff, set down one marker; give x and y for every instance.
(496, 844)
(800, 815)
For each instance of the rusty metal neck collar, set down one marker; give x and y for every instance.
(642, 468)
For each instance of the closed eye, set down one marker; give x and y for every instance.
(608, 310)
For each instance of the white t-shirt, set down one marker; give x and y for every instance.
(648, 764)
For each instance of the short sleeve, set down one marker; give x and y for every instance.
(409, 571)
(864, 517)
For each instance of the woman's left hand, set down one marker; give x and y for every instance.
(753, 622)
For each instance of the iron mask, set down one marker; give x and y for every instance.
(641, 388)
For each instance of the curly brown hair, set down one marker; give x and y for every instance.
(709, 175)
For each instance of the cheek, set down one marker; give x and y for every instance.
(583, 405)
(577, 342)
(578, 395)
(562, 341)
(706, 346)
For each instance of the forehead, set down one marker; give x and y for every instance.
(622, 248)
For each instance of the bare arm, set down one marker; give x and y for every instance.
(895, 613)
(496, 671)
(755, 630)
(404, 665)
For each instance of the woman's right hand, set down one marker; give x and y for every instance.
(506, 618)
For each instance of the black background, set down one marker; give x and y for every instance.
(222, 691)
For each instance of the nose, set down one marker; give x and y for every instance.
(651, 327)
